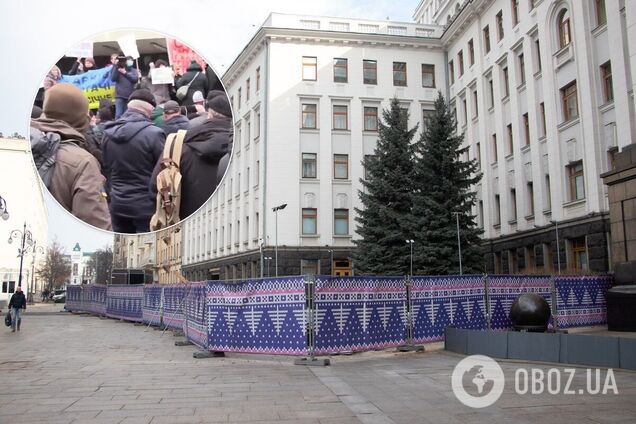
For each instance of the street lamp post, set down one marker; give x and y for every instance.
(26, 238)
(4, 212)
(411, 242)
(459, 244)
(276, 209)
(36, 249)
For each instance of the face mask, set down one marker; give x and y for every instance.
(129, 63)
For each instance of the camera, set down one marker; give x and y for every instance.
(121, 61)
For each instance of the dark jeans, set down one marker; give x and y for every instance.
(123, 224)
(121, 105)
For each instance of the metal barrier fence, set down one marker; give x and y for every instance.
(323, 314)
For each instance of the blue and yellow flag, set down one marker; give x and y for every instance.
(95, 84)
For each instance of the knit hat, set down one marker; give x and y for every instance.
(213, 93)
(67, 103)
(105, 114)
(197, 97)
(143, 95)
(220, 104)
(171, 107)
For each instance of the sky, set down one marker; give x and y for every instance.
(218, 30)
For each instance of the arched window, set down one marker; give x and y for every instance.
(564, 28)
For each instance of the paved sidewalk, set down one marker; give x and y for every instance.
(65, 368)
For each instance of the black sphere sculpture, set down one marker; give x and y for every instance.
(530, 312)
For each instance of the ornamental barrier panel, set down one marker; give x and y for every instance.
(324, 314)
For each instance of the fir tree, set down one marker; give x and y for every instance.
(386, 199)
(443, 186)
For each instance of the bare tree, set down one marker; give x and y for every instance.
(56, 268)
(100, 265)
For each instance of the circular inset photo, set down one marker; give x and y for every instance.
(131, 131)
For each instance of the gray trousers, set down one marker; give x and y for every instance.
(16, 317)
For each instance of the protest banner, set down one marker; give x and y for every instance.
(181, 55)
(128, 45)
(162, 75)
(83, 49)
(95, 84)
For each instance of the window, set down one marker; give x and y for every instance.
(428, 76)
(481, 214)
(601, 15)
(310, 218)
(309, 267)
(451, 71)
(258, 78)
(522, 69)
(309, 116)
(542, 113)
(257, 130)
(548, 194)
(569, 100)
(465, 111)
(506, 82)
(471, 52)
(526, 130)
(577, 182)
(500, 28)
(239, 97)
(491, 89)
(340, 73)
(497, 210)
(510, 139)
(564, 29)
(370, 118)
(478, 154)
(606, 79)
(494, 148)
(487, 38)
(257, 174)
(530, 189)
(370, 71)
(341, 222)
(460, 62)
(537, 48)
(247, 89)
(341, 167)
(578, 250)
(310, 68)
(309, 165)
(475, 104)
(399, 74)
(513, 205)
(514, 4)
(427, 115)
(232, 101)
(340, 121)
(367, 161)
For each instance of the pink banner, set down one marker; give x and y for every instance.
(181, 55)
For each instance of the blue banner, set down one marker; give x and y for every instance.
(95, 84)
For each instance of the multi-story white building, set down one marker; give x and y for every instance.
(22, 192)
(544, 93)
(306, 94)
(81, 272)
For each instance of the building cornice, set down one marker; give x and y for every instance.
(466, 15)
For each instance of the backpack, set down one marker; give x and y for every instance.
(169, 183)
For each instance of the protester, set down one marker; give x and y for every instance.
(67, 169)
(52, 77)
(201, 119)
(199, 103)
(203, 148)
(16, 305)
(79, 67)
(104, 114)
(125, 76)
(161, 92)
(197, 80)
(173, 119)
(131, 147)
(214, 83)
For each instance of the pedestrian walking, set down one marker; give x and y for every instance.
(16, 305)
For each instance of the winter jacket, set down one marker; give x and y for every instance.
(199, 84)
(76, 70)
(175, 124)
(124, 84)
(18, 300)
(203, 147)
(131, 147)
(69, 171)
(214, 83)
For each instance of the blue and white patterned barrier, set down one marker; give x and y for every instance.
(94, 298)
(581, 300)
(359, 313)
(195, 326)
(257, 316)
(504, 289)
(124, 302)
(446, 300)
(73, 298)
(152, 307)
(173, 304)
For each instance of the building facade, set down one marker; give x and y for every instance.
(136, 251)
(168, 253)
(306, 94)
(81, 272)
(17, 167)
(544, 93)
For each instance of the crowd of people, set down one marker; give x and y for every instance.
(102, 166)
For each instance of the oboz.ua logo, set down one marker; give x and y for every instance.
(477, 381)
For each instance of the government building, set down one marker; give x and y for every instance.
(543, 92)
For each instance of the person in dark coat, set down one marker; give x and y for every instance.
(173, 119)
(125, 76)
(201, 119)
(200, 83)
(214, 83)
(203, 148)
(131, 147)
(80, 67)
(16, 305)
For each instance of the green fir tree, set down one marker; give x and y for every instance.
(444, 183)
(383, 224)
